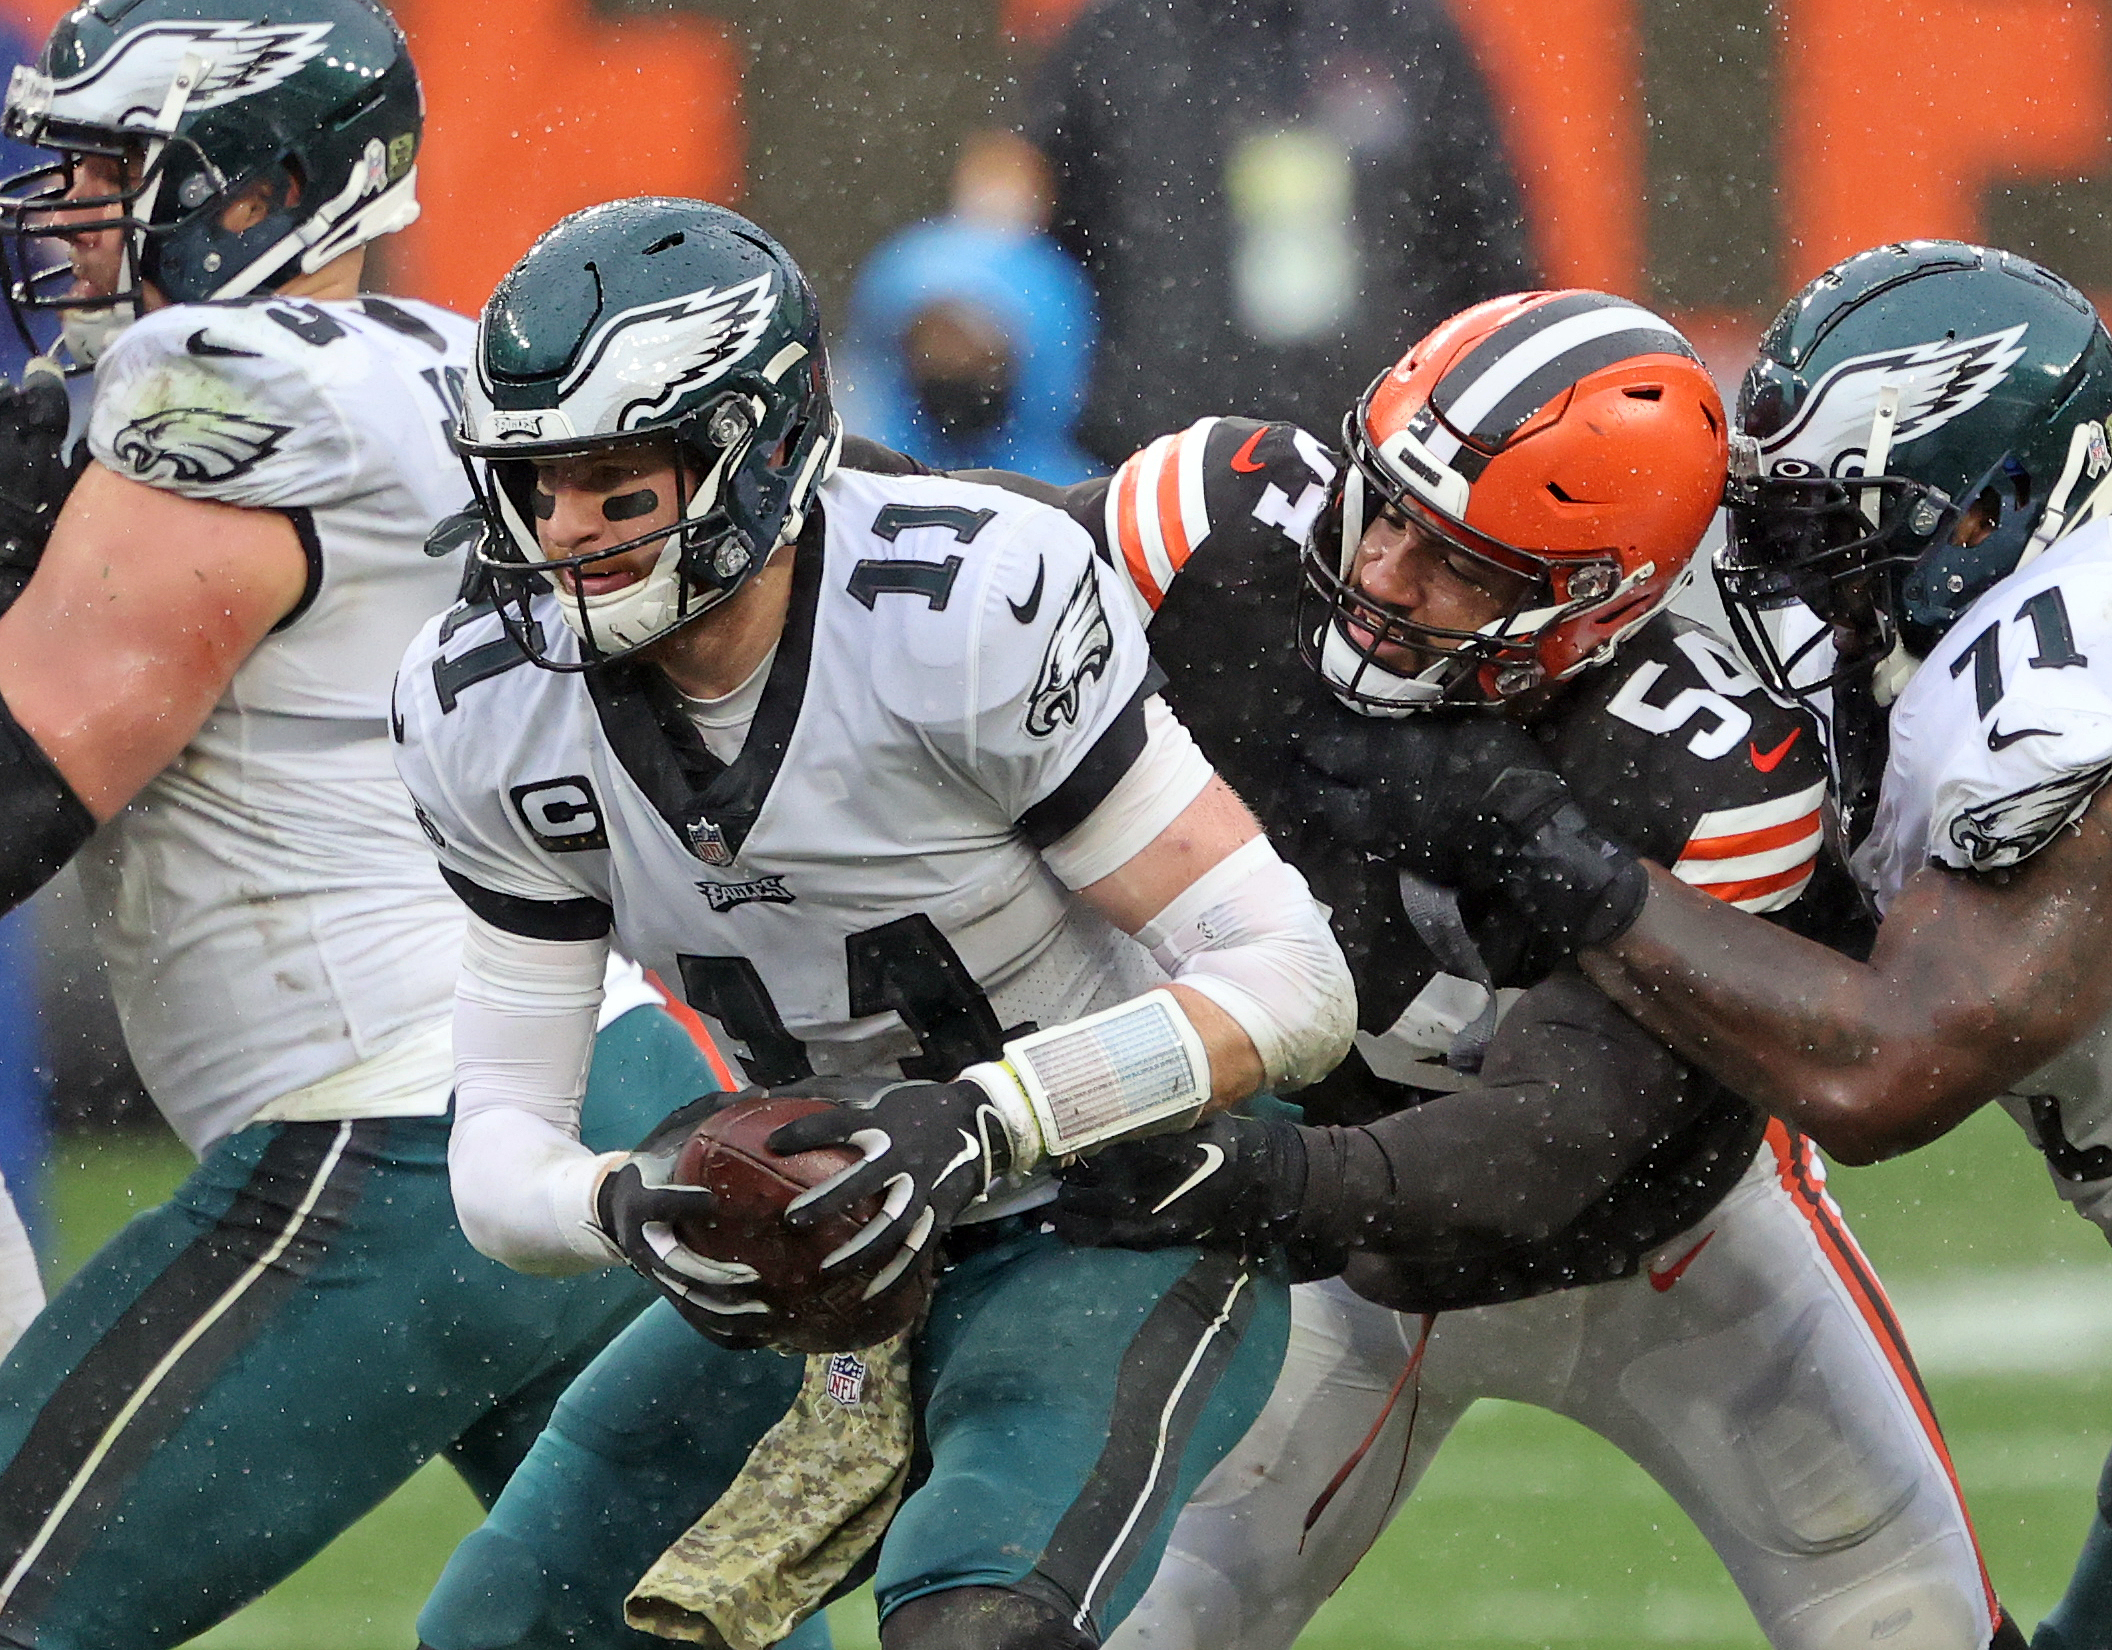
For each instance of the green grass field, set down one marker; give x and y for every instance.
(1528, 1531)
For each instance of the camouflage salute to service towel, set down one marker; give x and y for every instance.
(816, 1493)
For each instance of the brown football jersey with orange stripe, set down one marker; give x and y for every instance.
(1673, 747)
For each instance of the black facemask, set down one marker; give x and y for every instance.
(964, 408)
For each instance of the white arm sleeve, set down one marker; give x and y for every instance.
(1168, 774)
(21, 1289)
(1249, 935)
(524, 1038)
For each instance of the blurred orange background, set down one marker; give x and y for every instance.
(1869, 120)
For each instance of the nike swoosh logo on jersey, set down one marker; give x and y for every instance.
(2000, 741)
(1024, 611)
(199, 344)
(1213, 1160)
(1243, 461)
(1661, 1281)
(1769, 761)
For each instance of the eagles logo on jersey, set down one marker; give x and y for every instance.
(1078, 652)
(191, 444)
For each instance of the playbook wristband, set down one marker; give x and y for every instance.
(1136, 1068)
(42, 823)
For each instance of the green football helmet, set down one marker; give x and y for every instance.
(1895, 392)
(642, 321)
(199, 100)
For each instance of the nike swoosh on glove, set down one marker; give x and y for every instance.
(637, 1208)
(1232, 1183)
(929, 1149)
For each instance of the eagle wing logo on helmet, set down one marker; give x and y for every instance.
(675, 347)
(1078, 651)
(130, 82)
(1938, 381)
(191, 445)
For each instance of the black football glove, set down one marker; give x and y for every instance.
(635, 1211)
(35, 477)
(1472, 801)
(1232, 1183)
(930, 1149)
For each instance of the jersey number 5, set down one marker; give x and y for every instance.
(906, 967)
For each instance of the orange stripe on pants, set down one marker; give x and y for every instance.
(1797, 1172)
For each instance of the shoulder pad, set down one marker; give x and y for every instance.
(229, 403)
(2006, 728)
(1218, 479)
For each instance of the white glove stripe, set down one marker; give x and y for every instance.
(899, 1191)
(872, 1145)
(677, 1256)
(912, 1246)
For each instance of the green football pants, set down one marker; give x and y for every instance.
(1069, 1400)
(240, 1374)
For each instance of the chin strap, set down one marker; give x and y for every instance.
(1878, 452)
(1892, 673)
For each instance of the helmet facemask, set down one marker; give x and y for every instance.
(1343, 631)
(731, 514)
(315, 120)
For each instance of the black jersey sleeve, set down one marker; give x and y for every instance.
(1573, 1092)
(1217, 499)
(1677, 752)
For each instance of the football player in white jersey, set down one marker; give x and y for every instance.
(1923, 464)
(197, 672)
(874, 764)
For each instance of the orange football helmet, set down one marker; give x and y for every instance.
(1569, 438)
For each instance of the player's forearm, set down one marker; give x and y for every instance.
(1574, 1094)
(1236, 1069)
(524, 1040)
(1845, 1051)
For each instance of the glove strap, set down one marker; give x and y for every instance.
(1136, 1068)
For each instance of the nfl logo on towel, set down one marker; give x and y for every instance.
(846, 1379)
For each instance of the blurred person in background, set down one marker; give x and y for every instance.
(1277, 196)
(194, 699)
(970, 335)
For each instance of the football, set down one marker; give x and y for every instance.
(728, 1154)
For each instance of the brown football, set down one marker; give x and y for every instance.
(728, 1153)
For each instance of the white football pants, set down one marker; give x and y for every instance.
(21, 1290)
(1753, 1368)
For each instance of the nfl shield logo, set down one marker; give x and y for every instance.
(708, 843)
(846, 1379)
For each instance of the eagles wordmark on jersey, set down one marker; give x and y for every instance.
(952, 691)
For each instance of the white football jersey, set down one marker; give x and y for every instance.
(1998, 743)
(273, 923)
(956, 687)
